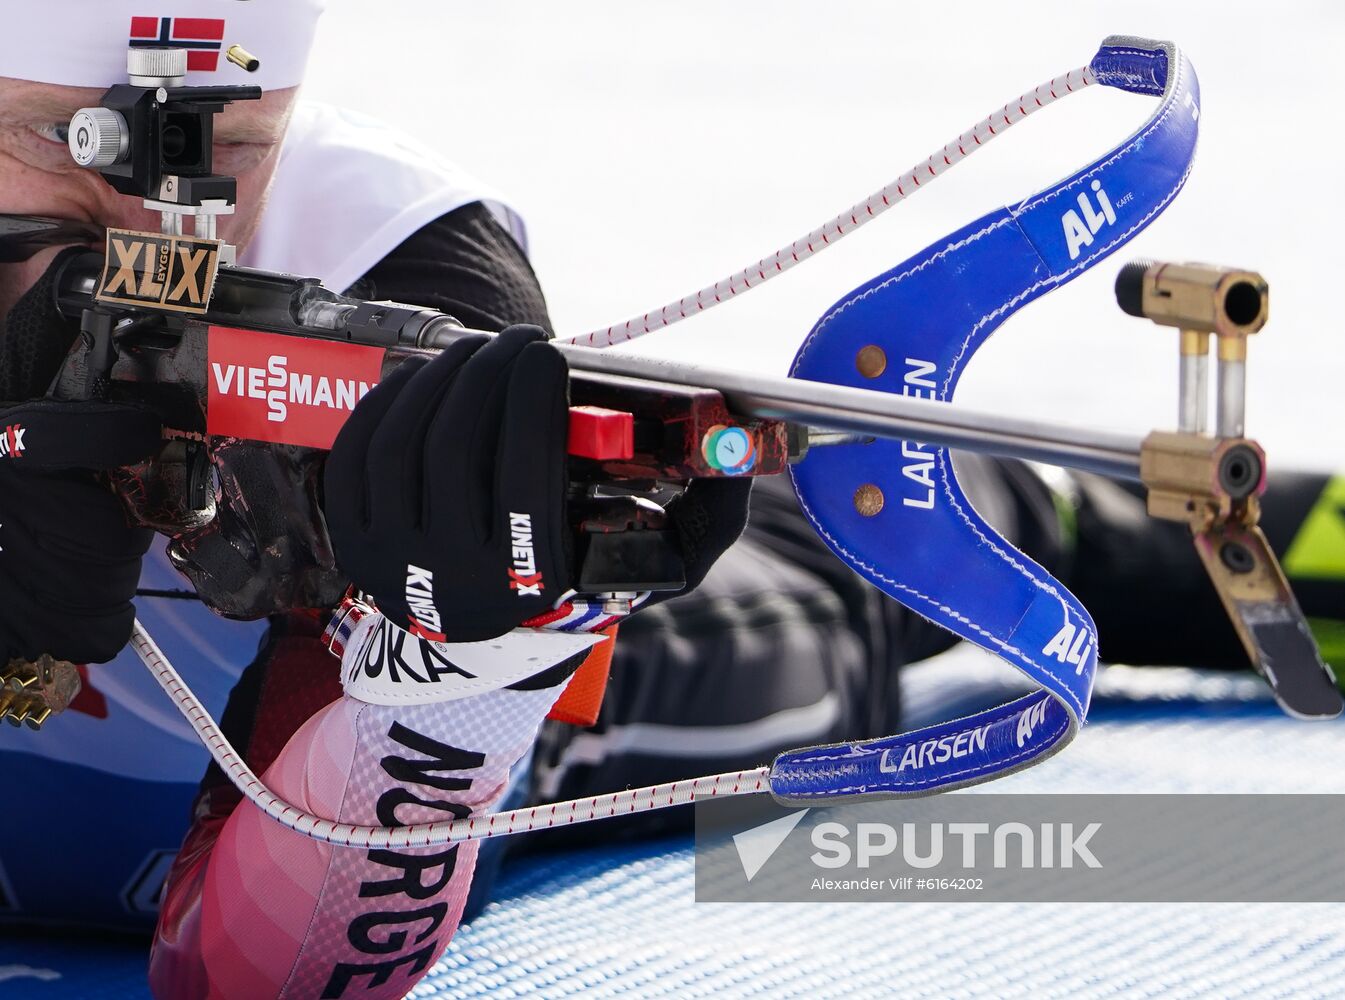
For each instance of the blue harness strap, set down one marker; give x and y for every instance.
(894, 510)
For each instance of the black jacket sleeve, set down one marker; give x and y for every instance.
(464, 264)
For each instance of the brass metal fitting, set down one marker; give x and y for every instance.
(1212, 483)
(1198, 479)
(1202, 299)
(1227, 302)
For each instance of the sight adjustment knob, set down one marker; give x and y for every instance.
(99, 137)
(156, 67)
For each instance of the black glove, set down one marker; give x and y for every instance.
(445, 491)
(69, 562)
(708, 517)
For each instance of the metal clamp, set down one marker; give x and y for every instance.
(1201, 299)
(1213, 483)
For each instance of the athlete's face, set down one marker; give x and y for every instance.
(38, 177)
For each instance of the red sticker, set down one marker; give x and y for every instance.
(285, 390)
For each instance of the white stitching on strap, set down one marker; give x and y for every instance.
(896, 279)
(1171, 105)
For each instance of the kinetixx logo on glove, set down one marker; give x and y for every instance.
(420, 602)
(523, 575)
(11, 445)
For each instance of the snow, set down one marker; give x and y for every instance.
(655, 148)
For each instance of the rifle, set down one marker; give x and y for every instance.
(253, 374)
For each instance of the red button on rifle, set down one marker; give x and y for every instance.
(601, 434)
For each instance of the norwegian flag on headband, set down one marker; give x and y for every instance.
(202, 37)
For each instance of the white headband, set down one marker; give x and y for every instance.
(83, 43)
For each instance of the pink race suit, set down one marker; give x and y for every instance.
(255, 910)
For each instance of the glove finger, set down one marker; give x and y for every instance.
(76, 518)
(78, 636)
(396, 457)
(531, 469)
(78, 562)
(461, 445)
(36, 338)
(709, 517)
(345, 481)
(50, 434)
(72, 587)
(72, 535)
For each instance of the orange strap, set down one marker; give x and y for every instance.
(579, 703)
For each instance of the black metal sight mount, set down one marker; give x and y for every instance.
(153, 138)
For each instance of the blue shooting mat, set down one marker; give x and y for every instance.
(622, 921)
(926, 546)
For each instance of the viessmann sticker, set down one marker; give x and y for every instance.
(161, 272)
(285, 390)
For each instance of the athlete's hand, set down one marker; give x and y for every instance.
(69, 562)
(445, 491)
(707, 517)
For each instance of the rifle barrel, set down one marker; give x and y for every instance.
(881, 414)
(272, 302)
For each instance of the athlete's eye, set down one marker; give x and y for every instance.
(54, 132)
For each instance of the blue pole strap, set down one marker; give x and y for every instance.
(927, 546)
